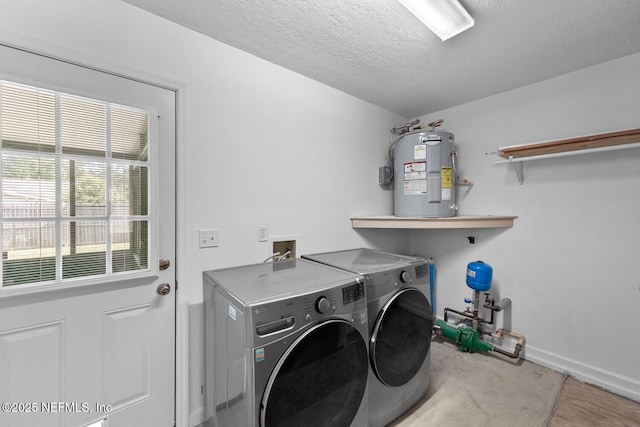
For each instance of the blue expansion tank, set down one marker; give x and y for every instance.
(479, 276)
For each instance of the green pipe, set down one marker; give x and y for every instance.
(468, 339)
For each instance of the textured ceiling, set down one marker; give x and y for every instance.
(377, 51)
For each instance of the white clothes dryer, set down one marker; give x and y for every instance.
(286, 346)
(400, 326)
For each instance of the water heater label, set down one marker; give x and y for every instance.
(415, 170)
(419, 152)
(430, 138)
(415, 187)
(415, 178)
(445, 172)
(446, 182)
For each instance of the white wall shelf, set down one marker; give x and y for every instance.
(396, 222)
(517, 154)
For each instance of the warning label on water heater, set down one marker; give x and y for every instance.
(445, 172)
(447, 182)
(415, 178)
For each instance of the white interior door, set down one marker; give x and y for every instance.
(95, 350)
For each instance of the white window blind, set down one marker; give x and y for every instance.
(75, 188)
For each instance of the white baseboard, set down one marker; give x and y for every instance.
(196, 417)
(627, 387)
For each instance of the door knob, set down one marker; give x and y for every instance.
(164, 289)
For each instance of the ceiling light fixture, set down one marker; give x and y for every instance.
(446, 18)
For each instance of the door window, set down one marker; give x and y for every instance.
(75, 186)
(401, 337)
(320, 382)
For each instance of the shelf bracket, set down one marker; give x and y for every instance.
(518, 167)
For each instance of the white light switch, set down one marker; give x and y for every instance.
(208, 238)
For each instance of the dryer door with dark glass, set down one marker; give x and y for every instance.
(401, 337)
(320, 380)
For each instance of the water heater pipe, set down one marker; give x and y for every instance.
(458, 180)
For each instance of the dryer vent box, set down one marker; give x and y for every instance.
(283, 246)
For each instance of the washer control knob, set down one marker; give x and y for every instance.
(307, 318)
(322, 305)
(404, 277)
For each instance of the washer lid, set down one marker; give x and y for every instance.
(257, 283)
(363, 261)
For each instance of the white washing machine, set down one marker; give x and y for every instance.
(400, 324)
(286, 346)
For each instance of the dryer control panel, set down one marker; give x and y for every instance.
(352, 293)
(285, 316)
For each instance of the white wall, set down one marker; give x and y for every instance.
(570, 263)
(262, 145)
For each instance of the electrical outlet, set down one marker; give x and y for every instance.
(263, 233)
(208, 238)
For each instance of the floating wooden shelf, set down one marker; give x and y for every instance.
(517, 154)
(573, 144)
(396, 222)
